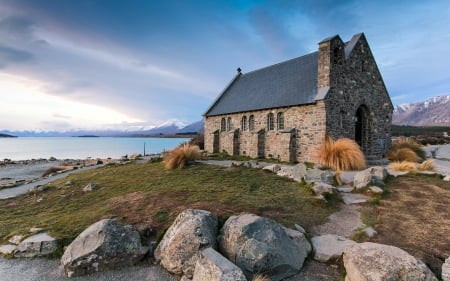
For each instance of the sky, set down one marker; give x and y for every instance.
(134, 64)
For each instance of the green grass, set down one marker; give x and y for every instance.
(147, 193)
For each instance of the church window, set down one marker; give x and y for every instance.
(270, 122)
(222, 125)
(229, 125)
(251, 123)
(244, 123)
(280, 121)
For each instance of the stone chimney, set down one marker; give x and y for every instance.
(331, 57)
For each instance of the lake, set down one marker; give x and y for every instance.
(80, 148)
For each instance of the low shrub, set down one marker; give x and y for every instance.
(403, 154)
(404, 166)
(427, 165)
(181, 156)
(411, 144)
(342, 154)
(261, 278)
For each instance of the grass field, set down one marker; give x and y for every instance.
(148, 195)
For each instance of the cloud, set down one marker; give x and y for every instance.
(11, 56)
(62, 116)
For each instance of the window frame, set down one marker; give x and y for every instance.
(244, 126)
(270, 122)
(280, 121)
(251, 123)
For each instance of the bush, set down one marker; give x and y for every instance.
(404, 166)
(427, 165)
(198, 140)
(408, 143)
(403, 154)
(181, 156)
(261, 278)
(342, 154)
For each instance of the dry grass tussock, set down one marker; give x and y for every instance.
(341, 155)
(408, 166)
(403, 154)
(261, 278)
(181, 156)
(406, 143)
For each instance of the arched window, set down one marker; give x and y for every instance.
(244, 123)
(229, 125)
(222, 125)
(251, 123)
(270, 122)
(280, 121)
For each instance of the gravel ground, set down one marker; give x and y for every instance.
(50, 270)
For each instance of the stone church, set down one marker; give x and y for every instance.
(284, 111)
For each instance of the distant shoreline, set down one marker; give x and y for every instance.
(7, 136)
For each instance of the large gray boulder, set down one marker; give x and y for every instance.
(446, 270)
(214, 267)
(103, 246)
(299, 172)
(377, 262)
(258, 244)
(362, 178)
(319, 188)
(318, 175)
(36, 246)
(192, 231)
(329, 247)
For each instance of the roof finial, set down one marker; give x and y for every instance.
(238, 70)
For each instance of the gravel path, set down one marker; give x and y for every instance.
(50, 270)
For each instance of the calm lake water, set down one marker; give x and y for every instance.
(81, 148)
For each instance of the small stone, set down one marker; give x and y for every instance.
(7, 249)
(300, 228)
(447, 178)
(320, 188)
(68, 183)
(15, 239)
(39, 200)
(37, 245)
(89, 187)
(329, 247)
(344, 189)
(375, 189)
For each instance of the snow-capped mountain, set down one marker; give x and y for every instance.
(172, 126)
(432, 112)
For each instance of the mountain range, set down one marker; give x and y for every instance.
(170, 127)
(432, 112)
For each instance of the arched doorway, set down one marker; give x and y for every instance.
(261, 143)
(362, 127)
(236, 142)
(216, 139)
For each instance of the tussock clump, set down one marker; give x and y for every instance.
(408, 143)
(427, 165)
(403, 166)
(342, 154)
(261, 278)
(403, 154)
(181, 156)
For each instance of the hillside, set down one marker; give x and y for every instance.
(432, 112)
(6, 136)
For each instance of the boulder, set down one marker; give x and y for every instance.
(377, 262)
(192, 231)
(103, 246)
(299, 172)
(354, 198)
(447, 177)
(212, 266)
(329, 247)
(347, 176)
(375, 189)
(258, 244)
(318, 175)
(273, 168)
(15, 239)
(286, 171)
(7, 249)
(345, 189)
(36, 246)
(446, 270)
(362, 178)
(379, 173)
(320, 188)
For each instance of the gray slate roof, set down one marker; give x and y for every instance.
(292, 82)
